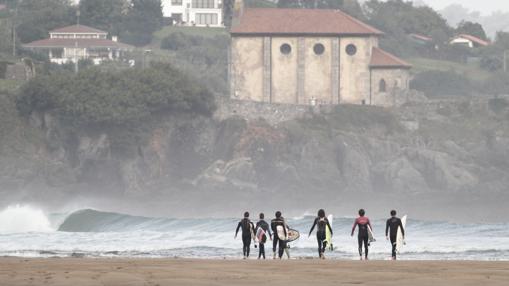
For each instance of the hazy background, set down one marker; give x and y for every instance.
(160, 139)
(484, 6)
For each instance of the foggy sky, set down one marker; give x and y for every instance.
(484, 6)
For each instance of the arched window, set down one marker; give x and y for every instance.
(382, 86)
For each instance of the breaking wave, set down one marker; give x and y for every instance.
(18, 218)
(25, 231)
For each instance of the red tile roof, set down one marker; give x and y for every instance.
(272, 21)
(421, 37)
(382, 59)
(78, 29)
(474, 39)
(80, 43)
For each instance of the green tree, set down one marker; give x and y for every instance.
(144, 17)
(497, 84)
(351, 7)
(106, 15)
(258, 3)
(206, 56)
(6, 36)
(492, 57)
(398, 19)
(502, 40)
(470, 28)
(311, 4)
(442, 83)
(37, 17)
(112, 98)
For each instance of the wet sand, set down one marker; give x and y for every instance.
(152, 272)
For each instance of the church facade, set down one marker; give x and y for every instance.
(309, 57)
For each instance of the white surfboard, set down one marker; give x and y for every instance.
(371, 237)
(281, 232)
(399, 238)
(328, 234)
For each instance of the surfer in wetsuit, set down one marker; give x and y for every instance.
(247, 233)
(262, 224)
(391, 231)
(278, 221)
(322, 222)
(363, 236)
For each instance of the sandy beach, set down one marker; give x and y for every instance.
(152, 272)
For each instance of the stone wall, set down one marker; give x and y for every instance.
(260, 71)
(395, 81)
(318, 71)
(272, 113)
(354, 69)
(247, 68)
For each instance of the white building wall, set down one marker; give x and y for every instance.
(192, 16)
(462, 41)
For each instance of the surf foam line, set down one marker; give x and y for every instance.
(23, 218)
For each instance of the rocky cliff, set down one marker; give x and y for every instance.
(431, 153)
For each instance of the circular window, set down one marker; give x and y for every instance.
(351, 49)
(285, 49)
(319, 49)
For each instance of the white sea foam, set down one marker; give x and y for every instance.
(19, 219)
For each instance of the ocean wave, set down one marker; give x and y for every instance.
(103, 234)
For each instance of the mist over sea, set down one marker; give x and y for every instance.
(29, 232)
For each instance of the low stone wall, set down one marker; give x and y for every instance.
(272, 113)
(410, 104)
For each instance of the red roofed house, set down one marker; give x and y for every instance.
(469, 41)
(309, 56)
(77, 42)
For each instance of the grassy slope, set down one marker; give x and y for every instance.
(471, 71)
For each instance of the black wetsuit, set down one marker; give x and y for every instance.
(247, 233)
(363, 235)
(265, 226)
(393, 224)
(276, 239)
(322, 224)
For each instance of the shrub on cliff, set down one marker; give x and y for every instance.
(442, 83)
(204, 56)
(110, 97)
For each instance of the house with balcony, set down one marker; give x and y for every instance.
(79, 42)
(201, 13)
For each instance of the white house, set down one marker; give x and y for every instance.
(469, 41)
(77, 42)
(203, 13)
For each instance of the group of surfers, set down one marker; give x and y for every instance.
(321, 223)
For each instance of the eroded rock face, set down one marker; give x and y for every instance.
(317, 154)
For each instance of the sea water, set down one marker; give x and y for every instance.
(28, 232)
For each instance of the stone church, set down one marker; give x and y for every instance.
(308, 57)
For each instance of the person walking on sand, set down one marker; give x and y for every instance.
(247, 233)
(321, 222)
(391, 231)
(279, 230)
(262, 227)
(363, 236)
